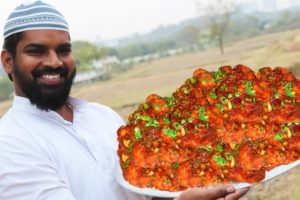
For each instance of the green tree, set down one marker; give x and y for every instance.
(162, 45)
(133, 50)
(190, 35)
(84, 52)
(219, 15)
(6, 88)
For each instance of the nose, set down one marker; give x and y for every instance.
(52, 60)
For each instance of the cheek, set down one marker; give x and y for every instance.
(27, 64)
(70, 63)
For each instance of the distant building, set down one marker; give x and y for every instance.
(105, 64)
(100, 71)
(87, 77)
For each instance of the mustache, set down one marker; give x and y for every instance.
(62, 71)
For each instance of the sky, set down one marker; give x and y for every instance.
(102, 20)
(96, 20)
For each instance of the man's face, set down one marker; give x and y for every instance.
(44, 68)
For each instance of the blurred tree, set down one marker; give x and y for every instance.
(133, 50)
(6, 88)
(219, 14)
(190, 35)
(162, 45)
(84, 52)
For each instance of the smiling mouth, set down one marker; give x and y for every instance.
(51, 79)
(51, 76)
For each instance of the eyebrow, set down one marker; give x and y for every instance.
(66, 45)
(34, 45)
(40, 46)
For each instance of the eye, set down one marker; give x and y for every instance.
(65, 50)
(35, 51)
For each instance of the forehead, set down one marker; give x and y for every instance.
(46, 37)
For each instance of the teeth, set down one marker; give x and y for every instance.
(51, 76)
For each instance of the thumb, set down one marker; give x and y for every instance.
(206, 194)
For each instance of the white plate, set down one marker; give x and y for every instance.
(158, 193)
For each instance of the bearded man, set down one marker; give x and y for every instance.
(53, 146)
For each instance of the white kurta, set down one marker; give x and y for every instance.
(44, 157)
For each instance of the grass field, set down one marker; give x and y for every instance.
(124, 92)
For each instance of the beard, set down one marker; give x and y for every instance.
(44, 96)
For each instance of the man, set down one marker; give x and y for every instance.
(53, 146)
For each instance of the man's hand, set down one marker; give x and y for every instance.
(216, 193)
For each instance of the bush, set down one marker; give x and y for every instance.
(6, 88)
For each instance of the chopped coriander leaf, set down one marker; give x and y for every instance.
(146, 106)
(276, 96)
(289, 90)
(190, 119)
(272, 78)
(126, 164)
(166, 120)
(152, 123)
(177, 125)
(228, 156)
(285, 128)
(237, 94)
(229, 96)
(204, 81)
(170, 132)
(157, 107)
(217, 74)
(206, 148)
(213, 95)
(136, 118)
(137, 133)
(202, 114)
(219, 148)
(278, 136)
(249, 88)
(224, 100)
(186, 91)
(220, 106)
(186, 102)
(146, 118)
(236, 149)
(224, 87)
(130, 147)
(175, 165)
(219, 160)
(193, 80)
(170, 100)
(176, 114)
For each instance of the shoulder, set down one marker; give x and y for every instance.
(99, 112)
(104, 110)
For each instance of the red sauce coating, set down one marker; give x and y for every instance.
(225, 126)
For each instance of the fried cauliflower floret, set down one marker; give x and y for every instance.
(224, 126)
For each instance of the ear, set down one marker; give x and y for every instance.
(7, 62)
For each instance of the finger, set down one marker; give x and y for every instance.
(237, 194)
(208, 194)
